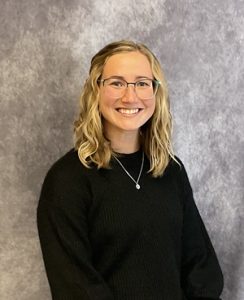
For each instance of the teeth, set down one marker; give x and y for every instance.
(128, 111)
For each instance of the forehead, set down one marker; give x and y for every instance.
(127, 64)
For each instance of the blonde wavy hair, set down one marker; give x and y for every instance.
(90, 141)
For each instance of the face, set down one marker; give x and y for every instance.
(127, 113)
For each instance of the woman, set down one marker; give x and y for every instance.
(116, 216)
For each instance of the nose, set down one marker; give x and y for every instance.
(130, 94)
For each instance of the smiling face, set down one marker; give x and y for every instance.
(127, 113)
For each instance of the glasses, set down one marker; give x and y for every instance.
(144, 88)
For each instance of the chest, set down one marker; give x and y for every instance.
(119, 211)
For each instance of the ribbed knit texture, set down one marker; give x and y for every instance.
(103, 239)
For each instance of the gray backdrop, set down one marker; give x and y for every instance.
(45, 51)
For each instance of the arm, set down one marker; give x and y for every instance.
(202, 278)
(63, 233)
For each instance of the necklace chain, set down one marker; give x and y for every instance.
(139, 176)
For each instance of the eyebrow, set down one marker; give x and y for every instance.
(122, 77)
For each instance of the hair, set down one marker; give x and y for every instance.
(90, 141)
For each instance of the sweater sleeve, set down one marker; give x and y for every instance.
(202, 277)
(63, 233)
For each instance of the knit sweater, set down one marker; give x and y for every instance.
(103, 239)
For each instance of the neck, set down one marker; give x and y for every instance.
(125, 142)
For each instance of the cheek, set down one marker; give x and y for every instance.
(150, 110)
(105, 101)
(151, 107)
(101, 102)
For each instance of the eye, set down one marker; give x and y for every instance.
(144, 83)
(116, 83)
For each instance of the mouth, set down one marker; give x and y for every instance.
(129, 111)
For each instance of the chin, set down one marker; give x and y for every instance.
(131, 127)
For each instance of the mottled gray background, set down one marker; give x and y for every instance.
(45, 50)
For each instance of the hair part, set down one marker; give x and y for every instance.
(90, 141)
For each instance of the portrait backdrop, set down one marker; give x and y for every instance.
(45, 50)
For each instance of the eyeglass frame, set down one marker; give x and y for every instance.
(154, 81)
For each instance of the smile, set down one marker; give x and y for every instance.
(128, 111)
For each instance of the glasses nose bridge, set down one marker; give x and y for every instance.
(127, 90)
(130, 93)
(130, 83)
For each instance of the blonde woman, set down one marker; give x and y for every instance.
(116, 216)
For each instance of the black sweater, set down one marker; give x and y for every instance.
(102, 239)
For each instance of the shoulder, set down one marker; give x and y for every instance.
(67, 166)
(175, 166)
(65, 176)
(178, 171)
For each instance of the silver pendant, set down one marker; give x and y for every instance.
(139, 176)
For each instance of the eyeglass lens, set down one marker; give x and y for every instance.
(144, 89)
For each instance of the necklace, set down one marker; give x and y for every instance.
(139, 176)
